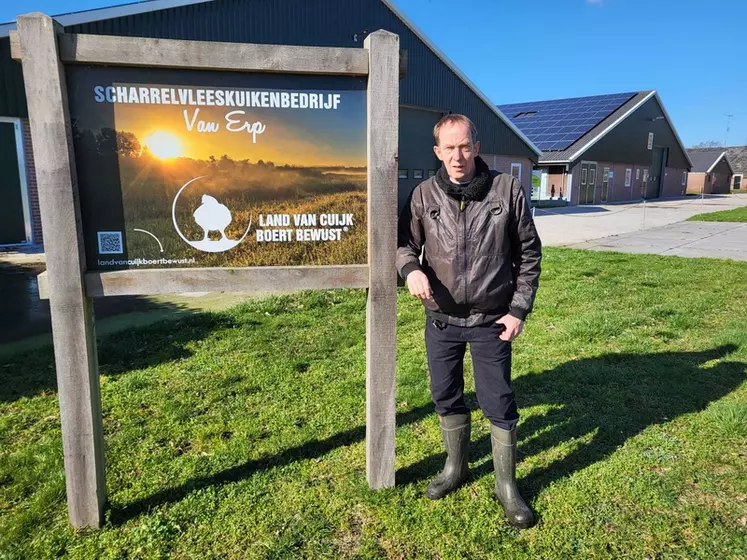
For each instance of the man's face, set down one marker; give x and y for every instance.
(456, 149)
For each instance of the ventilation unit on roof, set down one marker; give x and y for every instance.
(525, 114)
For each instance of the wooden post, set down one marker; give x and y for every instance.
(71, 310)
(381, 314)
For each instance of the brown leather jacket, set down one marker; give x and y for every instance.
(483, 261)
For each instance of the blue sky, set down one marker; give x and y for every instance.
(694, 52)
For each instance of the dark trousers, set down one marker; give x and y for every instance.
(491, 358)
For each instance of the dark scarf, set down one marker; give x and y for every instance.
(476, 189)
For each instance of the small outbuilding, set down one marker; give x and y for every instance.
(712, 172)
(738, 159)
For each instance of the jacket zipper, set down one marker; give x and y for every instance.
(464, 245)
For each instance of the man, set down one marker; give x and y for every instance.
(477, 281)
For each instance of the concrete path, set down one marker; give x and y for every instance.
(576, 224)
(717, 240)
(22, 256)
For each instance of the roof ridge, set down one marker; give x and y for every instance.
(646, 91)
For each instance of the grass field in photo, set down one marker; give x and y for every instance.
(248, 190)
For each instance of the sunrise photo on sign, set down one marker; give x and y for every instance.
(213, 174)
(164, 145)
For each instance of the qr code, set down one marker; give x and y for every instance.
(110, 243)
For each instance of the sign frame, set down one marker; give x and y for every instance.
(43, 49)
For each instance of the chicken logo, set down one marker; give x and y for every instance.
(211, 215)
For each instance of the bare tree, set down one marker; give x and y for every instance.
(709, 144)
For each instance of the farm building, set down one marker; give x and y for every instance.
(295, 22)
(738, 159)
(737, 156)
(603, 148)
(712, 172)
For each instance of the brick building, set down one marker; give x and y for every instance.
(712, 172)
(737, 156)
(738, 159)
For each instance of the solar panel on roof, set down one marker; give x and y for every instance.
(556, 124)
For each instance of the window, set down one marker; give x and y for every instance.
(684, 178)
(431, 172)
(737, 182)
(417, 173)
(403, 174)
(628, 177)
(592, 176)
(637, 174)
(516, 170)
(583, 175)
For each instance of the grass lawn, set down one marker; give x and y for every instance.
(240, 434)
(733, 215)
(549, 203)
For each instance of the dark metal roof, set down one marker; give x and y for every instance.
(706, 158)
(432, 81)
(96, 14)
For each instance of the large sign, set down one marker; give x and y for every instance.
(180, 168)
(267, 160)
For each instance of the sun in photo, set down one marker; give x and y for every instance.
(164, 145)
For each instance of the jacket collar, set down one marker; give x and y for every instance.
(476, 189)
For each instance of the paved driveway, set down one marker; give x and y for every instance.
(575, 224)
(654, 227)
(717, 240)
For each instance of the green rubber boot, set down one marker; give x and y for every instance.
(455, 430)
(504, 461)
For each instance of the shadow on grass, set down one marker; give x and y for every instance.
(610, 399)
(616, 396)
(309, 450)
(29, 373)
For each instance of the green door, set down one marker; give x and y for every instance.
(605, 183)
(582, 183)
(588, 183)
(653, 187)
(12, 223)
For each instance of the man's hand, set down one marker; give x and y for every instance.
(513, 325)
(419, 286)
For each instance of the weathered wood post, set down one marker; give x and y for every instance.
(72, 311)
(381, 317)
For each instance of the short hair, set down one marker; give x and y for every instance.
(455, 118)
